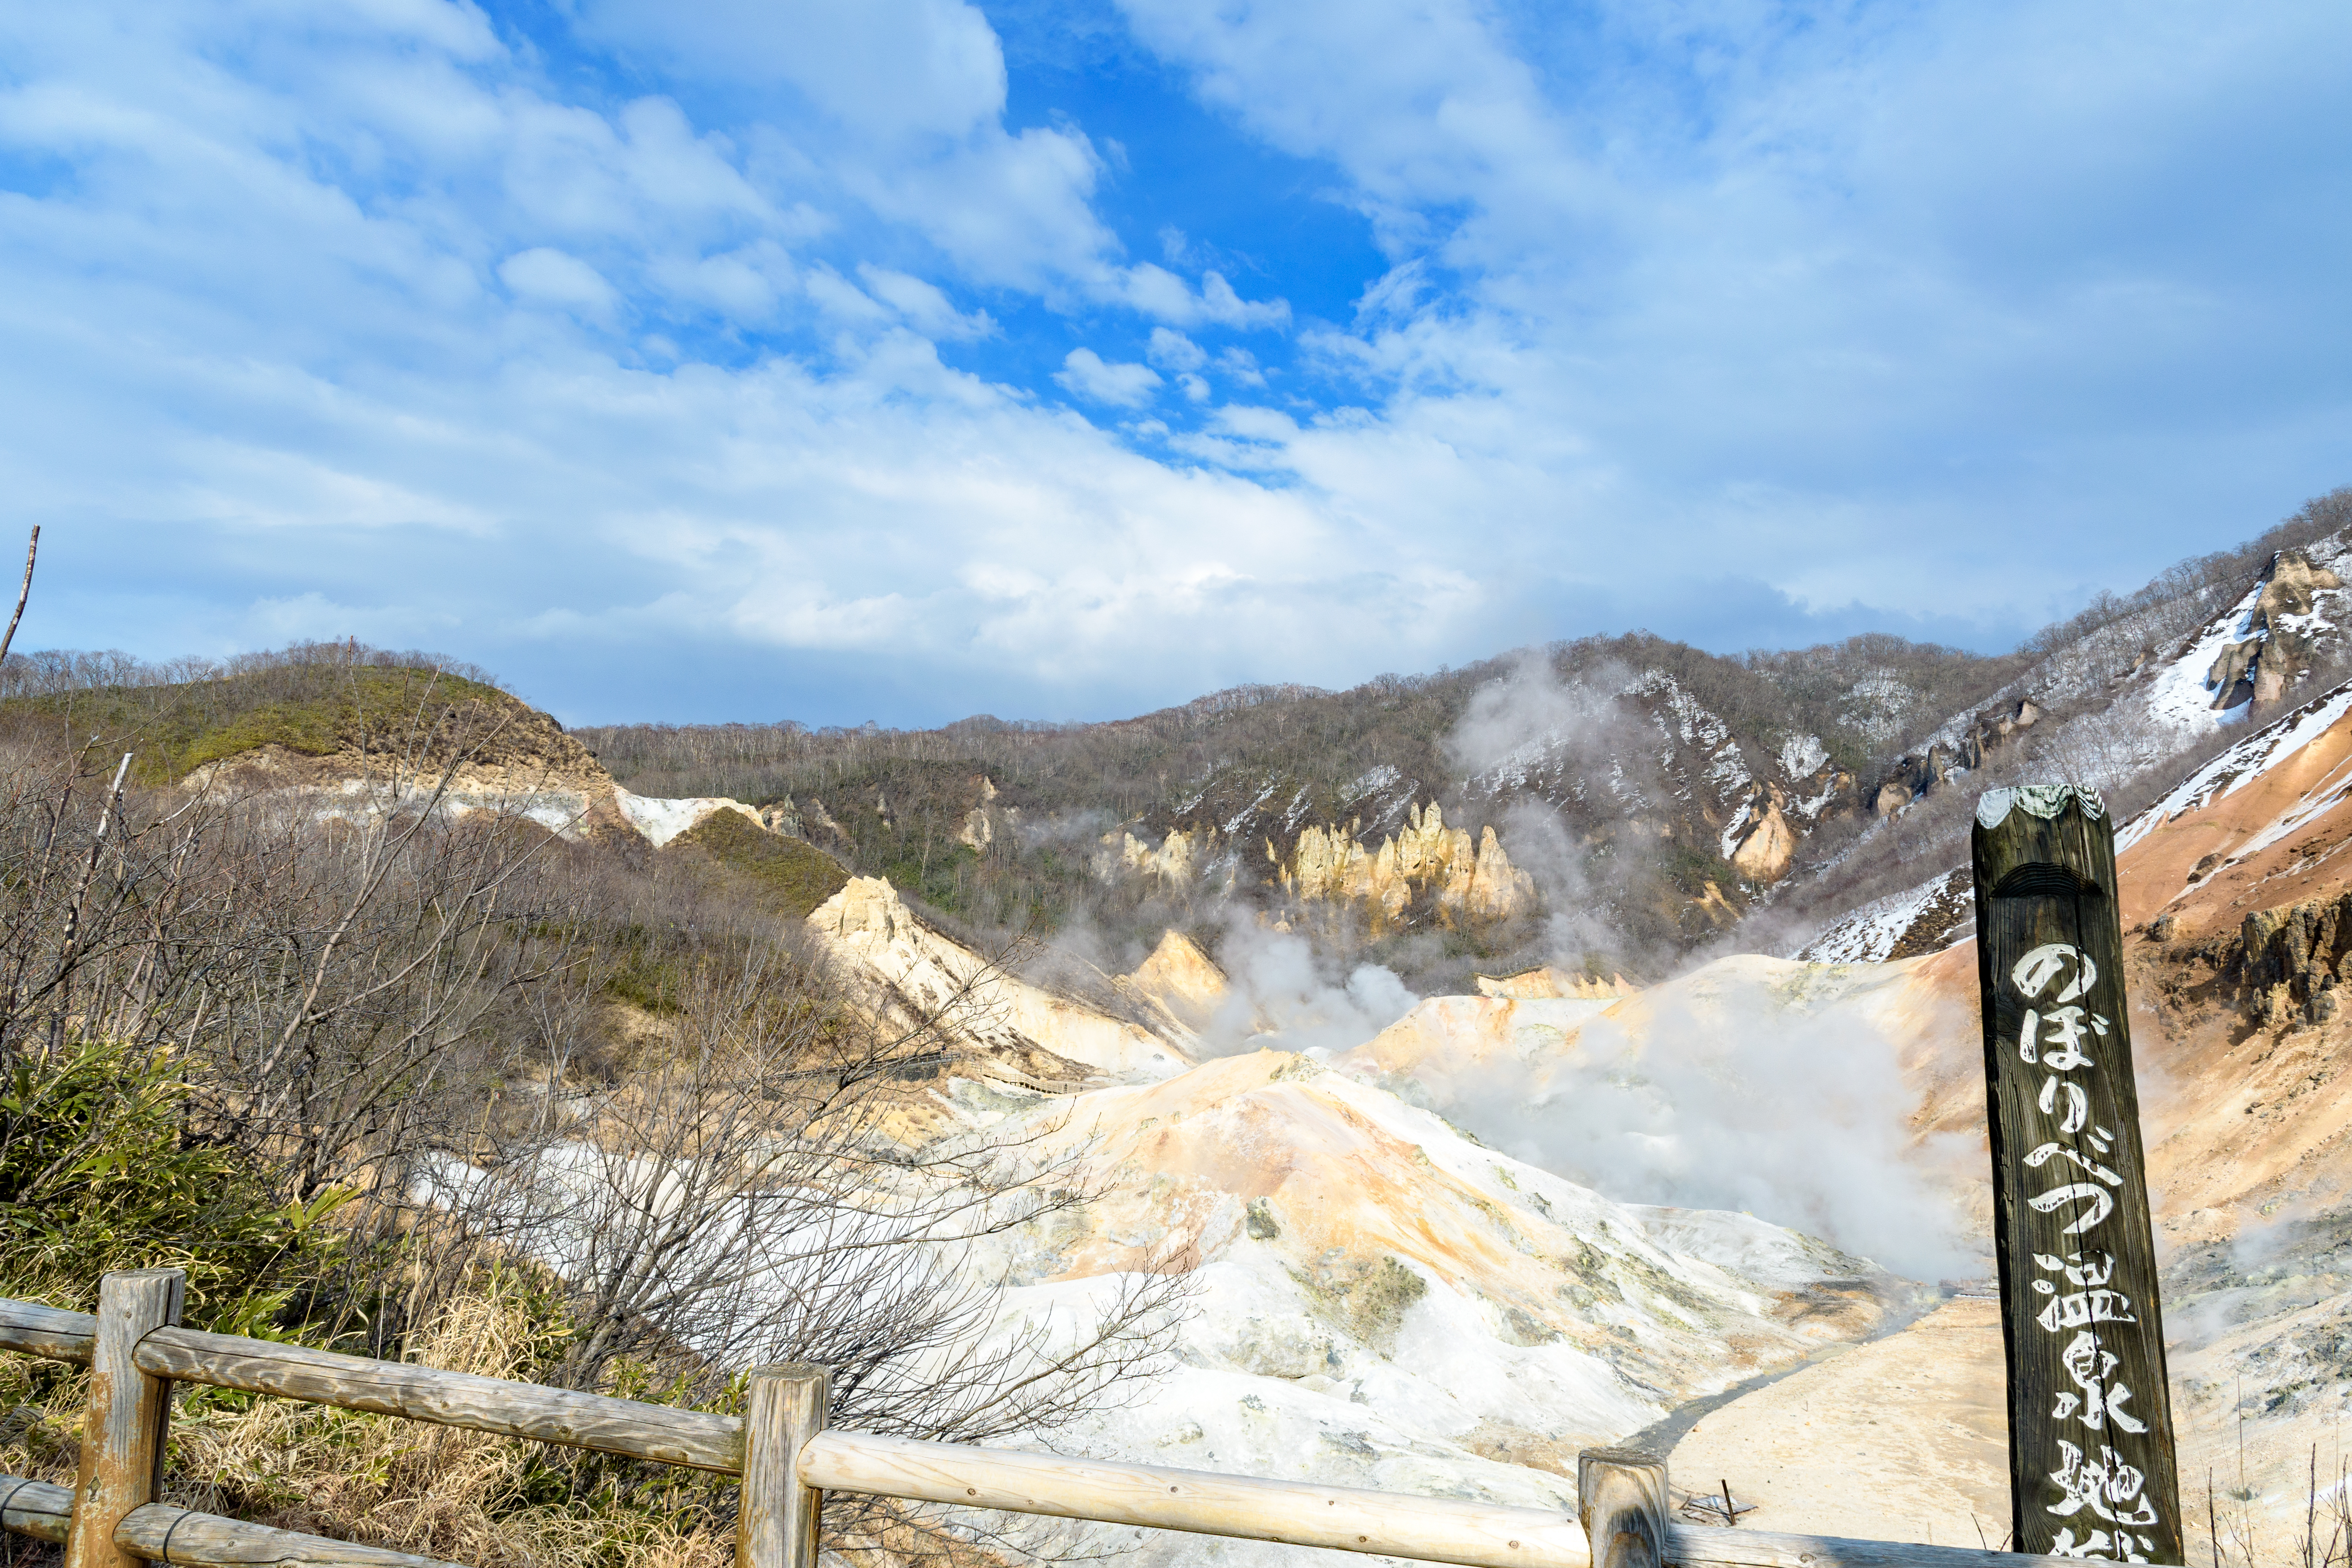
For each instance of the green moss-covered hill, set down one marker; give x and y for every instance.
(787, 876)
(314, 707)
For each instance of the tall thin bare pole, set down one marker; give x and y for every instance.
(111, 809)
(22, 593)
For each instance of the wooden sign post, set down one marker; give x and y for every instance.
(2090, 1470)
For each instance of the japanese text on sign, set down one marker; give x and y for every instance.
(2097, 1491)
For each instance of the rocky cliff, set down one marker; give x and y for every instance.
(997, 1022)
(1423, 861)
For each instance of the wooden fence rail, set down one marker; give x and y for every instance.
(788, 1459)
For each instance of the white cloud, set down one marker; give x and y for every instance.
(1242, 365)
(1844, 309)
(572, 172)
(1013, 210)
(887, 69)
(744, 285)
(1157, 292)
(842, 302)
(546, 276)
(1172, 350)
(926, 307)
(908, 98)
(1087, 373)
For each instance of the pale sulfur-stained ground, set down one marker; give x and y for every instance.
(1902, 1438)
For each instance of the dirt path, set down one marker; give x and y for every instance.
(1903, 1438)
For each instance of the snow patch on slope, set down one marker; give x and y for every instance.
(1870, 933)
(661, 820)
(2241, 763)
(2180, 695)
(1803, 756)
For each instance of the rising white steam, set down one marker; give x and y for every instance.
(1569, 740)
(1530, 718)
(1740, 1093)
(1289, 996)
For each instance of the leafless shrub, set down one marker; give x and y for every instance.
(773, 1184)
(370, 992)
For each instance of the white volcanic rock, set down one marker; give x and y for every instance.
(923, 973)
(1447, 1043)
(1817, 1095)
(1548, 981)
(1382, 1302)
(661, 820)
(1446, 1038)
(1182, 979)
(568, 795)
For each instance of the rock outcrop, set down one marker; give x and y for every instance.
(978, 831)
(1763, 855)
(561, 789)
(1986, 736)
(2277, 645)
(1175, 861)
(1550, 983)
(2289, 960)
(919, 977)
(1181, 978)
(1466, 880)
(533, 770)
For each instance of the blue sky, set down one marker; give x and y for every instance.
(904, 359)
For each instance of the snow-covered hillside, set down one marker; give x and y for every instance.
(1939, 911)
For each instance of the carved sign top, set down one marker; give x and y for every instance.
(2044, 800)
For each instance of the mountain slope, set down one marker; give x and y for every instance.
(1382, 1302)
(1659, 800)
(2235, 898)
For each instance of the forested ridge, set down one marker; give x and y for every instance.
(1263, 763)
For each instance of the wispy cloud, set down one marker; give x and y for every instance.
(1087, 373)
(738, 360)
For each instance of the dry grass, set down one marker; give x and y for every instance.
(464, 1497)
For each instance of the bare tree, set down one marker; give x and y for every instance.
(774, 1184)
(373, 993)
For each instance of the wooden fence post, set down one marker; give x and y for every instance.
(1620, 1496)
(122, 1435)
(2091, 1463)
(777, 1525)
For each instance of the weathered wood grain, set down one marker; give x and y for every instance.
(46, 1512)
(51, 1332)
(2090, 1420)
(122, 1435)
(1621, 1496)
(1712, 1546)
(777, 1524)
(41, 1510)
(159, 1534)
(37, 1508)
(1299, 1513)
(692, 1438)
